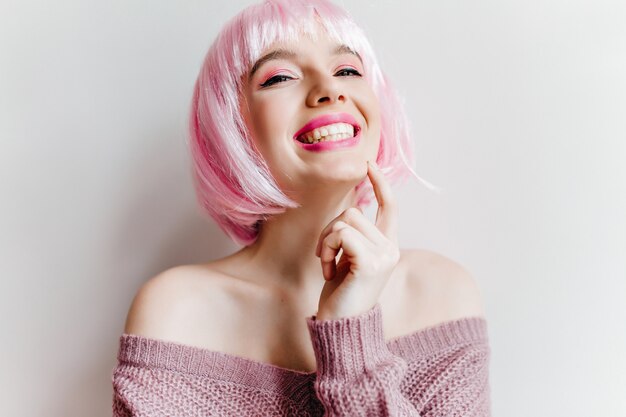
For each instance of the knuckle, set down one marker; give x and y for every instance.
(343, 233)
(337, 226)
(326, 247)
(352, 213)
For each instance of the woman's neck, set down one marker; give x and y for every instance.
(284, 251)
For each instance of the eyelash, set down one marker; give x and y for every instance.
(273, 80)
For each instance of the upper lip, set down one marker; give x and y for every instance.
(328, 119)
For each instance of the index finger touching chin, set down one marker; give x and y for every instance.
(387, 213)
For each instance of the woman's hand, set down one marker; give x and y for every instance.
(369, 254)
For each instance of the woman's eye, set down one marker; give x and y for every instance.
(276, 79)
(349, 71)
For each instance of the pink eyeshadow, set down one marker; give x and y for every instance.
(270, 73)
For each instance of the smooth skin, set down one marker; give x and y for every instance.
(281, 97)
(369, 254)
(265, 290)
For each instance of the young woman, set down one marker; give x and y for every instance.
(294, 129)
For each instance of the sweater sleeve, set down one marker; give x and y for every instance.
(357, 374)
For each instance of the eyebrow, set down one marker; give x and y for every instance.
(287, 54)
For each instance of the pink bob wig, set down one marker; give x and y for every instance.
(232, 181)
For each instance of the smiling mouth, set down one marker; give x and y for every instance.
(329, 133)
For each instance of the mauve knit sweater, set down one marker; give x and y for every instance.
(442, 370)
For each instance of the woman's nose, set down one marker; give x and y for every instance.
(325, 91)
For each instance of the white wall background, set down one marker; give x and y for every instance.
(518, 109)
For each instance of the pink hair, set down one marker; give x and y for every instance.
(233, 182)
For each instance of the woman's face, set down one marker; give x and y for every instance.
(304, 88)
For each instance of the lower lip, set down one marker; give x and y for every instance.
(331, 145)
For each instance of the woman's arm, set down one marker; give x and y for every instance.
(357, 375)
(449, 375)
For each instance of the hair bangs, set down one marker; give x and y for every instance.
(280, 21)
(233, 183)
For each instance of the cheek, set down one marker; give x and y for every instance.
(271, 119)
(271, 124)
(372, 113)
(375, 112)
(371, 108)
(366, 100)
(373, 103)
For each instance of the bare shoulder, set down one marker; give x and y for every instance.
(170, 305)
(446, 290)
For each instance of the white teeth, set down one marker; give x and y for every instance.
(334, 131)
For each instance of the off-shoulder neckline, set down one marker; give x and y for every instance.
(145, 352)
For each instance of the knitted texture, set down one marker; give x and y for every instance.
(442, 370)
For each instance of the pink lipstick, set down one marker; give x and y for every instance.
(328, 119)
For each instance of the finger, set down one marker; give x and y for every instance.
(329, 253)
(343, 237)
(387, 213)
(355, 218)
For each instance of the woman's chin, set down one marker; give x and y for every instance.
(340, 175)
(335, 178)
